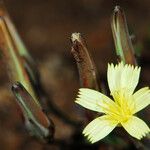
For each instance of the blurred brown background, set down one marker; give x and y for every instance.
(46, 26)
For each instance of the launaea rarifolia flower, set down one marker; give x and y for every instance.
(122, 81)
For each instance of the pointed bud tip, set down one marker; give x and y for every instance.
(16, 86)
(75, 36)
(117, 8)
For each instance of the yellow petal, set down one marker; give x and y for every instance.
(136, 127)
(122, 78)
(92, 99)
(99, 128)
(142, 98)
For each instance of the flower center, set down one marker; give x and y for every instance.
(122, 108)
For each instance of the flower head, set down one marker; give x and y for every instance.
(122, 81)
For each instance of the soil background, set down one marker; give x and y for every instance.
(46, 27)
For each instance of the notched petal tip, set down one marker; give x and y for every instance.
(82, 89)
(111, 65)
(145, 133)
(123, 76)
(85, 90)
(78, 101)
(98, 128)
(136, 127)
(91, 139)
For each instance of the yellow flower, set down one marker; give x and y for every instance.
(122, 81)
